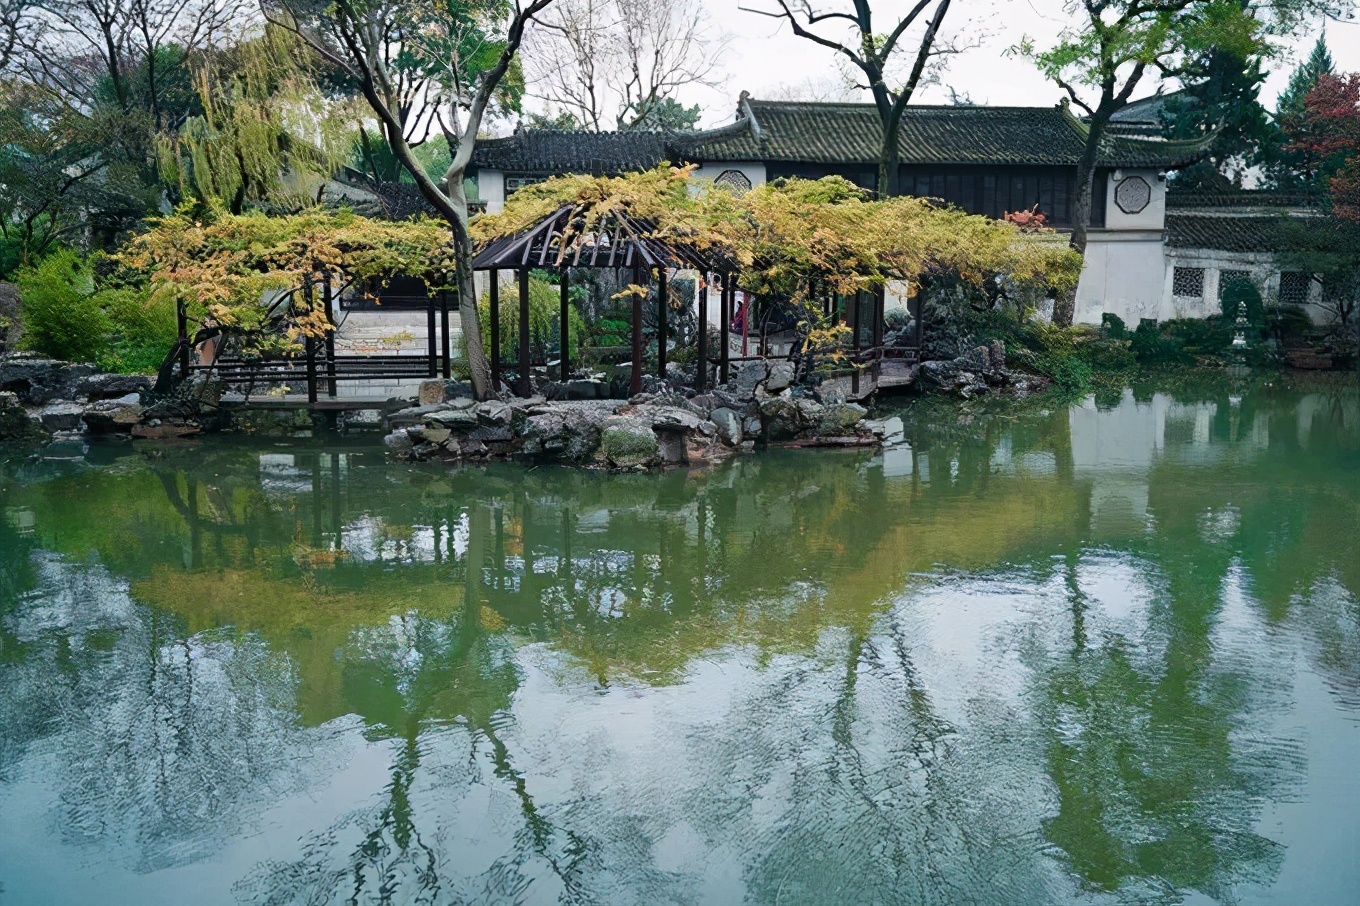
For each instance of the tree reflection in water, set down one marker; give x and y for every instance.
(277, 599)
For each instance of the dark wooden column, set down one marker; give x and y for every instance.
(525, 385)
(729, 295)
(444, 333)
(917, 327)
(635, 382)
(880, 310)
(329, 298)
(855, 346)
(662, 304)
(431, 350)
(701, 375)
(495, 331)
(565, 331)
(182, 318)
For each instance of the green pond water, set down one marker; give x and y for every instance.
(1090, 654)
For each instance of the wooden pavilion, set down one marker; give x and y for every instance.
(560, 241)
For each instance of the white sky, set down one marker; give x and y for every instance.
(762, 53)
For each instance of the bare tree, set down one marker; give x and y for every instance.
(614, 63)
(817, 90)
(849, 31)
(467, 49)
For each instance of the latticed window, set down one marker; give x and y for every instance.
(1228, 278)
(514, 183)
(1188, 281)
(735, 181)
(1294, 288)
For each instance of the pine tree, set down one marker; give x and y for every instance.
(1220, 94)
(1286, 166)
(1319, 63)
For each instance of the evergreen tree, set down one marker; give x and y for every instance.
(1286, 165)
(1221, 92)
(1318, 64)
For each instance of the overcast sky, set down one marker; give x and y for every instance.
(762, 54)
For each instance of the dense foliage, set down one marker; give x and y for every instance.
(223, 266)
(70, 313)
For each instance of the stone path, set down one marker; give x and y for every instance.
(386, 333)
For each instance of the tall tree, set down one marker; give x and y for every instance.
(1287, 164)
(873, 55)
(617, 64)
(1327, 140)
(1100, 62)
(1220, 99)
(463, 85)
(1302, 80)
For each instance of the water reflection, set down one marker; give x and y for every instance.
(1025, 658)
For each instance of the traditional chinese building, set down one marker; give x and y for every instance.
(1141, 257)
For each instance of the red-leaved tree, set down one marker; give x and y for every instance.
(1327, 136)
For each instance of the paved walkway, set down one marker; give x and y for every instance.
(386, 333)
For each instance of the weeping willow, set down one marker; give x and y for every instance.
(267, 135)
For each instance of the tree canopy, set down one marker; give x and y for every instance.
(224, 266)
(785, 236)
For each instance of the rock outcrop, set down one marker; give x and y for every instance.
(647, 431)
(980, 370)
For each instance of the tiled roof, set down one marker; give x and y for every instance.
(1225, 232)
(549, 151)
(803, 132)
(815, 133)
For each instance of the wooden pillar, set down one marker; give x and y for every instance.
(918, 315)
(855, 346)
(444, 333)
(635, 384)
(310, 347)
(182, 316)
(724, 329)
(495, 331)
(430, 350)
(880, 310)
(328, 297)
(525, 385)
(565, 331)
(662, 304)
(701, 375)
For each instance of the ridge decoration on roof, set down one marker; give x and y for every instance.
(832, 133)
(839, 133)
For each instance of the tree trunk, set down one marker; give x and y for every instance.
(1065, 306)
(478, 369)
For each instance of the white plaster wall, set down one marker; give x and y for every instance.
(1261, 266)
(491, 189)
(1153, 217)
(1124, 273)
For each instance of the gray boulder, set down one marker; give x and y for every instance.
(111, 386)
(728, 424)
(115, 416)
(780, 377)
(62, 416)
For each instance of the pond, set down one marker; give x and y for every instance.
(1090, 653)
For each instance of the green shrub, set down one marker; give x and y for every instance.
(142, 332)
(1241, 295)
(58, 311)
(65, 317)
(1114, 326)
(545, 306)
(1150, 347)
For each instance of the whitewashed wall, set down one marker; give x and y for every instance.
(1124, 273)
(491, 189)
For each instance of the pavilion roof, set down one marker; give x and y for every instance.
(618, 240)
